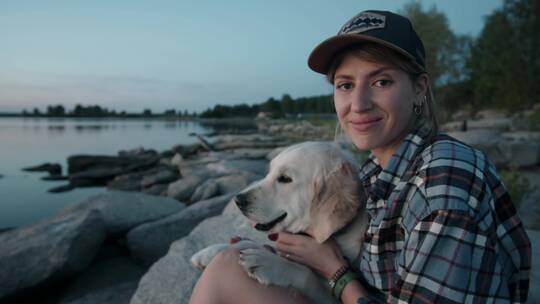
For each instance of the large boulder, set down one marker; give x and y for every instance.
(161, 177)
(110, 281)
(172, 278)
(228, 167)
(49, 251)
(183, 188)
(149, 242)
(122, 211)
(206, 190)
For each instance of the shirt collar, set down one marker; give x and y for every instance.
(380, 182)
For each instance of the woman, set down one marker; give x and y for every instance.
(442, 226)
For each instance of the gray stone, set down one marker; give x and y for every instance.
(157, 189)
(122, 211)
(235, 183)
(206, 190)
(161, 177)
(53, 169)
(110, 281)
(227, 167)
(115, 294)
(48, 251)
(171, 279)
(177, 160)
(520, 154)
(149, 242)
(183, 188)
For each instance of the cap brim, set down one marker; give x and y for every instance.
(321, 57)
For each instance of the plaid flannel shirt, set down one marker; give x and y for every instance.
(443, 228)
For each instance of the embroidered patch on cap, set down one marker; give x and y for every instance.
(362, 22)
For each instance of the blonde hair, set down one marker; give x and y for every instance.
(377, 53)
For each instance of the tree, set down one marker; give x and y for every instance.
(504, 62)
(287, 104)
(446, 52)
(147, 112)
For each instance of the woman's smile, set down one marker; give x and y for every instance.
(363, 125)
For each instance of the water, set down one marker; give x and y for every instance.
(32, 141)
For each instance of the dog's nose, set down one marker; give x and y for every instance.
(241, 201)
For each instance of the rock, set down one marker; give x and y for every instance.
(161, 177)
(258, 141)
(529, 209)
(150, 241)
(177, 160)
(528, 136)
(500, 124)
(171, 279)
(80, 163)
(204, 191)
(62, 188)
(53, 169)
(183, 188)
(490, 114)
(122, 211)
(235, 183)
(227, 167)
(127, 182)
(186, 150)
(54, 178)
(120, 293)
(110, 281)
(157, 189)
(1, 176)
(520, 154)
(138, 152)
(252, 154)
(49, 251)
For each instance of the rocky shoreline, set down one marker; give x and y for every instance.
(132, 243)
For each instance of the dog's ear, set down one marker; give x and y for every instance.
(336, 201)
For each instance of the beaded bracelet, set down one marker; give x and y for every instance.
(345, 279)
(337, 275)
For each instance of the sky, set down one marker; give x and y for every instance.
(178, 54)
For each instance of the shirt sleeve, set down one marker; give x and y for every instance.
(446, 259)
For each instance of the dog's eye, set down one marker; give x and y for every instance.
(284, 179)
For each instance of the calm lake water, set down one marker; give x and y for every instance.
(32, 141)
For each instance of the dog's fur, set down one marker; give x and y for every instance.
(311, 188)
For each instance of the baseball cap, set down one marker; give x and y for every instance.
(381, 27)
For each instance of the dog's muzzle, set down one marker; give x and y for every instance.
(241, 201)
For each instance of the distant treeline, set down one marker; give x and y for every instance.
(97, 111)
(273, 108)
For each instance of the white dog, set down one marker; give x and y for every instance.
(311, 188)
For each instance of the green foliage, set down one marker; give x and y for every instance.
(517, 185)
(445, 51)
(287, 106)
(504, 62)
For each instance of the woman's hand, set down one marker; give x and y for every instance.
(324, 258)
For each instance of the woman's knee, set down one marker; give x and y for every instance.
(227, 258)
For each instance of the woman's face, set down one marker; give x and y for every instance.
(374, 104)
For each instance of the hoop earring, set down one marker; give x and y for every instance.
(418, 109)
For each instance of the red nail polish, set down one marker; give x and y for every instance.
(273, 237)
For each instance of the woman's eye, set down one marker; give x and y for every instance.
(284, 179)
(382, 83)
(344, 86)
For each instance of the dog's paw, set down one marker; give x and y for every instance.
(202, 258)
(264, 266)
